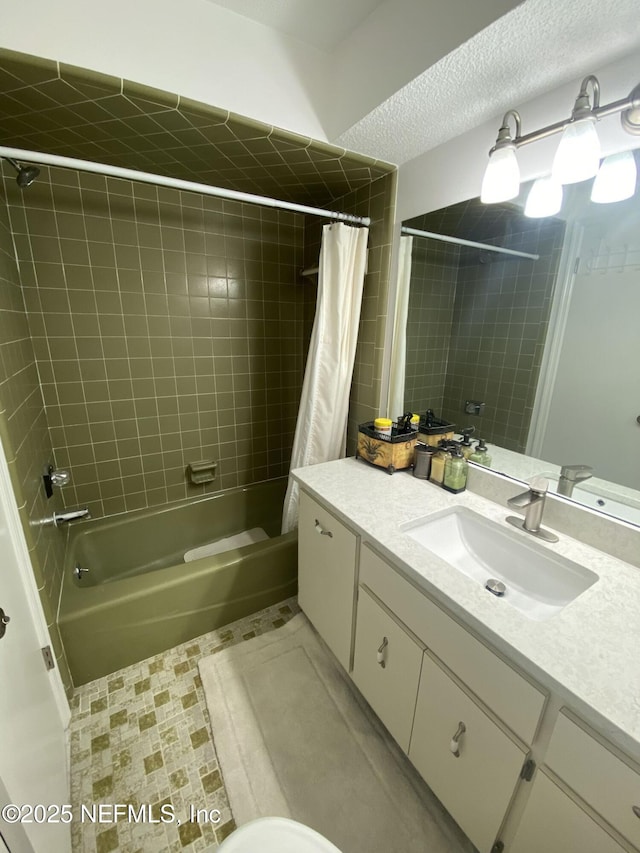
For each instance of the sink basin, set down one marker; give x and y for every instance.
(536, 581)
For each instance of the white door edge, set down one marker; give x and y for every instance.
(17, 538)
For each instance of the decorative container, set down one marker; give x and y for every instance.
(393, 453)
(435, 431)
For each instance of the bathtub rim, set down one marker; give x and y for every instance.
(77, 599)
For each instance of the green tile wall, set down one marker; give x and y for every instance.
(158, 327)
(478, 320)
(434, 271)
(24, 434)
(61, 109)
(500, 323)
(167, 328)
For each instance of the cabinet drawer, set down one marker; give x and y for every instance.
(603, 780)
(510, 696)
(390, 689)
(476, 786)
(326, 575)
(554, 823)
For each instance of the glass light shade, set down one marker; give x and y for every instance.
(578, 155)
(501, 180)
(544, 199)
(616, 179)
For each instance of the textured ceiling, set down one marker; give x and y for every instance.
(537, 46)
(320, 23)
(56, 108)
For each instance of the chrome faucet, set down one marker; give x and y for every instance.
(532, 501)
(570, 475)
(72, 515)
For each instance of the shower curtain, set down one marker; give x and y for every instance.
(399, 343)
(321, 428)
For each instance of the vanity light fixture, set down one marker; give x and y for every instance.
(578, 155)
(616, 179)
(544, 199)
(502, 178)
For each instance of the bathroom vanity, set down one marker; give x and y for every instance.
(524, 723)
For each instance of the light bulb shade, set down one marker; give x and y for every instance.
(501, 180)
(616, 179)
(544, 199)
(578, 155)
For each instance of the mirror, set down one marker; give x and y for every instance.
(538, 350)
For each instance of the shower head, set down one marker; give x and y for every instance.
(26, 174)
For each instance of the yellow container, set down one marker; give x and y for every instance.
(383, 426)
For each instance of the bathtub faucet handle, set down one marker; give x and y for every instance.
(72, 515)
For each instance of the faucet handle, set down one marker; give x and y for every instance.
(576, 472)
(539, 485)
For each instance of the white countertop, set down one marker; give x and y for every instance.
(589, 652)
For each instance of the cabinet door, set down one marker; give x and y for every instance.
(554, 823)
(326, 575)
(603, 780)
(386, 667)
(475, 786)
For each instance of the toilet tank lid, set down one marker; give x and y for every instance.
(276, 835)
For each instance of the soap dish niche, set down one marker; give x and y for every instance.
(203, 471)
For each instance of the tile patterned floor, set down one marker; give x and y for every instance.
(141, 736)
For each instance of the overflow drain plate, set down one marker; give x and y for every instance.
(496, 587)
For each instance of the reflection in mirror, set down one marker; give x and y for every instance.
(548, 339)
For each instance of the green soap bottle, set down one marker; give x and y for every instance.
(456, 470)
(481, 455)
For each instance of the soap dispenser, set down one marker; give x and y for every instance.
(465, 445)
(436, 475)
(481, 455)
(456, 470)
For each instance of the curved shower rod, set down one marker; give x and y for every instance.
(174, 183)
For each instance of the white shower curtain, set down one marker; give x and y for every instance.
(322, 418)
(399, 343)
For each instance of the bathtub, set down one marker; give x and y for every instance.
(139, 597)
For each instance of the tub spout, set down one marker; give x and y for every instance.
(73, 515)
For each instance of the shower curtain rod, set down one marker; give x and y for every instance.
(432, 235)
(174, 183)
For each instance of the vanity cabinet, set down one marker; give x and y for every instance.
(326, 575)
(467, 756)
(469, 762)
(386, 667)
(606, 781)
(583, 796)
(468, 719)
(512, 698)
(553, 822)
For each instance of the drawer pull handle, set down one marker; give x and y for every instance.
(454, 746)
(383, 646)
(636, 810)
(322, 531)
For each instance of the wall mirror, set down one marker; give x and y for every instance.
(538, 349)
